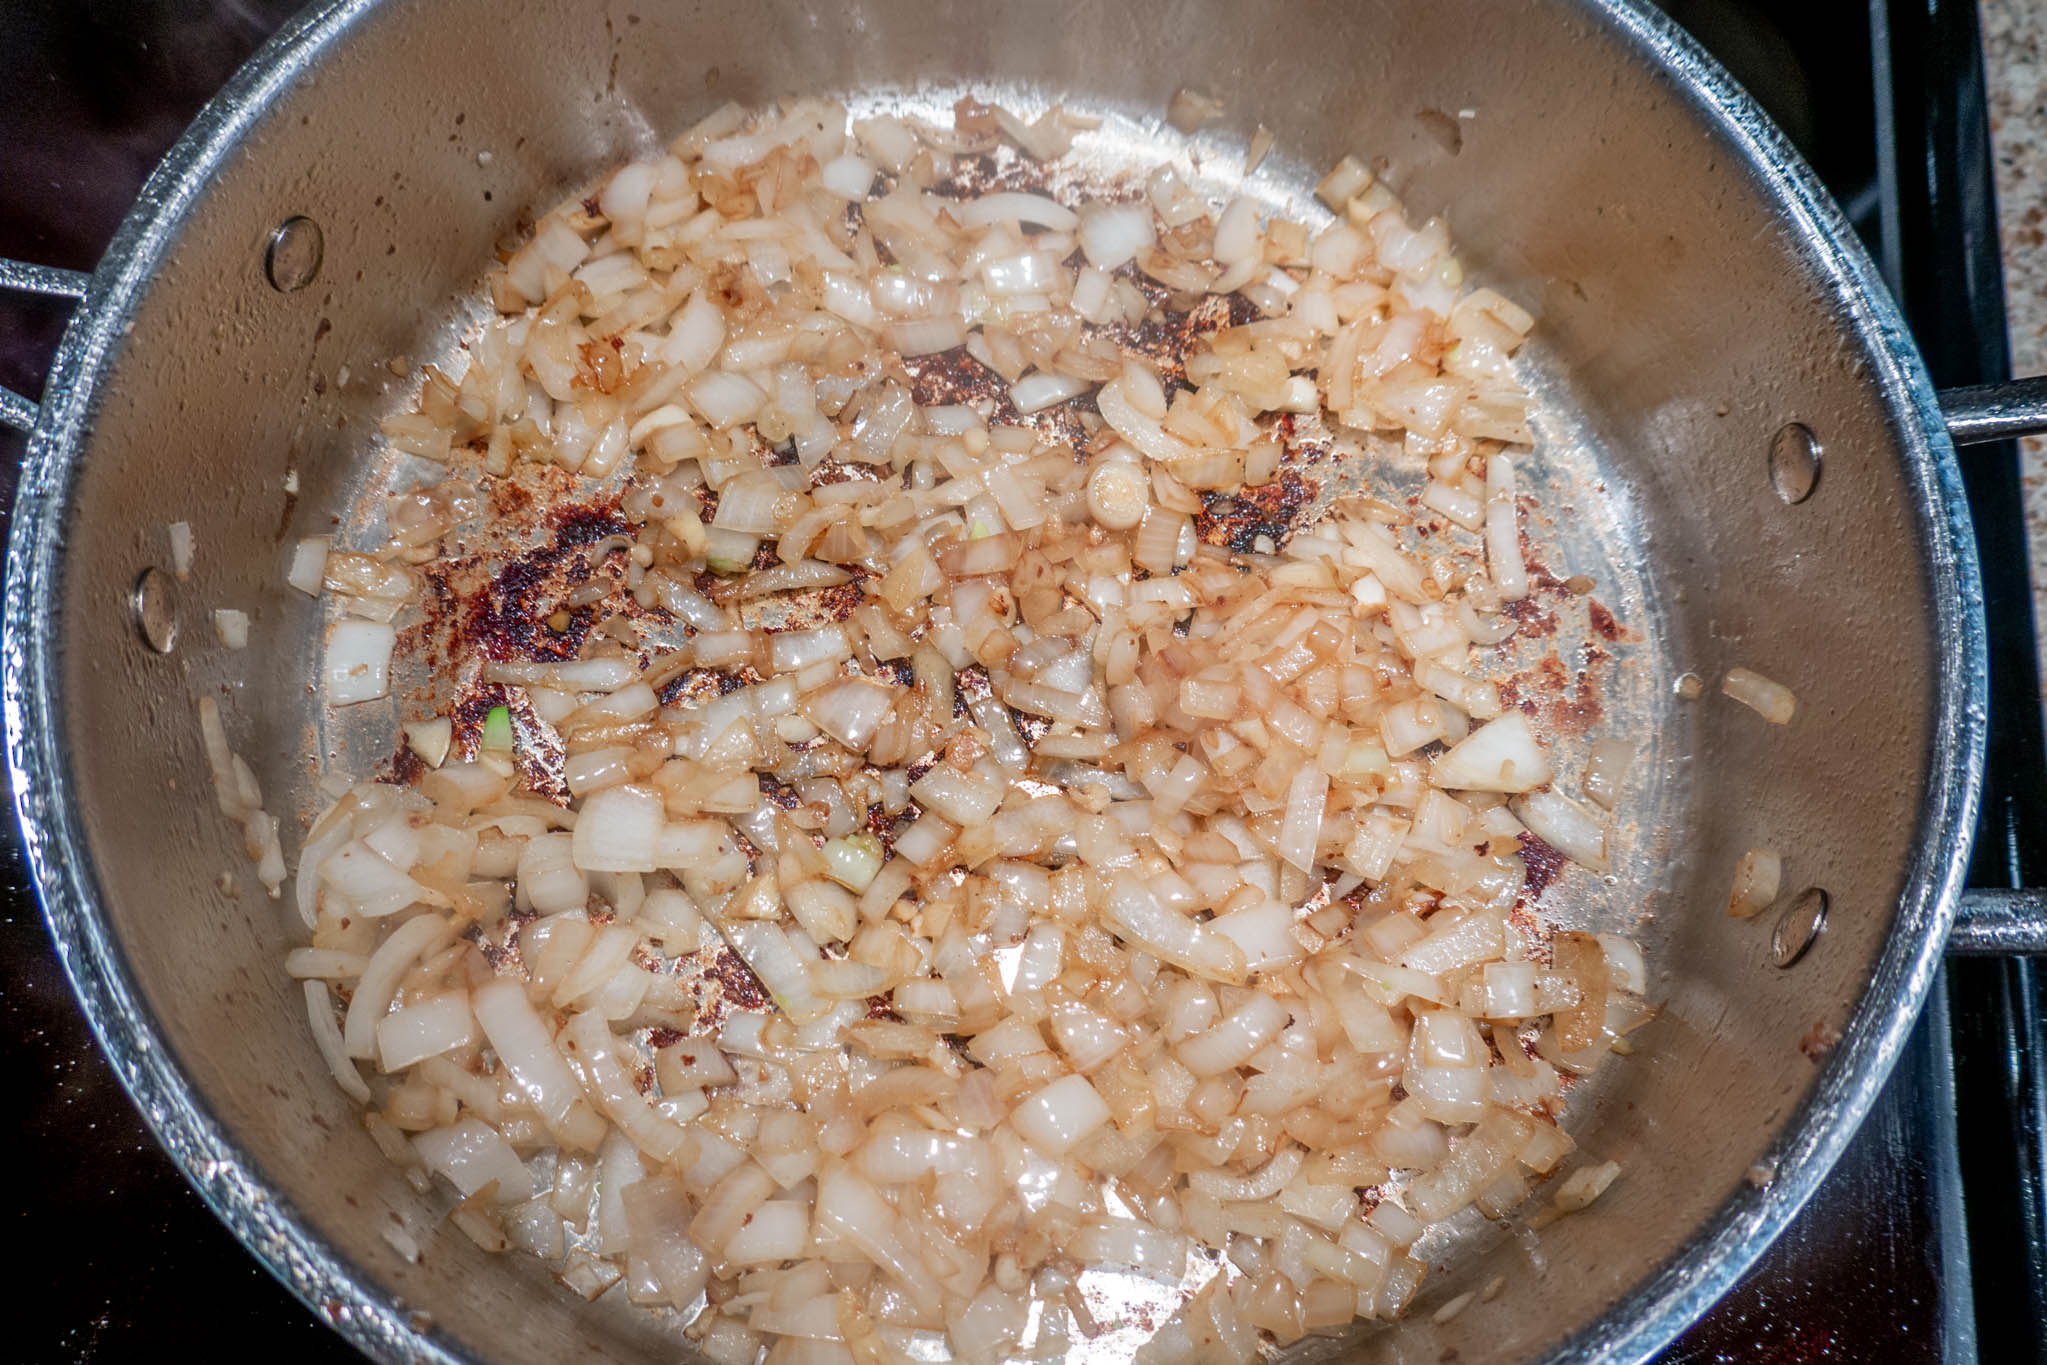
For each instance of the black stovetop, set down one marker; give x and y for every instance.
(1925, 1245)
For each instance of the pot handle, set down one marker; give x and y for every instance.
(1999, 923)
(21, 277)
(1996, 412)
(1990, 923)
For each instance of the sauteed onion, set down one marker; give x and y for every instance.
(960, 861)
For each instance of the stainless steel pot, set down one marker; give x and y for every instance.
(1698, 293)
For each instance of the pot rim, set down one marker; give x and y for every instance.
(1651, 1315)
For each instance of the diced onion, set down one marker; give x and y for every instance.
(308, 569)
(232, 627)
(853, 860)
(1232, 1042)
(327, 1036)
(849, 177)
(1503, 531)
(1306, 796)
(776, 1231)
(1607, 769)
(927, 336)
(1773, 701)
(1039, 391)
(425, 1029)
(1564, 825)
(358, 663)
(522, 1043)
(1017, 206)
(725, 400)
(430, 739)
(1261, 143)
(1584, 1185)
(619, 831)
(1500, 756)
(1345, 181)
(1060, 1115)
(941, 827)
(850, 712)
(1137, 915)
(1188, 111)
(1267, 1181)
(472, 1155)
(180, 534)
(1112, 234)
(1757, 879)
(380, 978)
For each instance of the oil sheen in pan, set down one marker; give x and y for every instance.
(1593, 657)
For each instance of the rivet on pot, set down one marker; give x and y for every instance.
(1794, 462)
(292, 260)
(154, 603)
(1798, 926)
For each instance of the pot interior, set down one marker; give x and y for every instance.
(1684, 319)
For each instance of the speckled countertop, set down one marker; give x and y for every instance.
(2015, 53)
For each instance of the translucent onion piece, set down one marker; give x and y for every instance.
(358, 662)
(523, 1044)
(1055, 1118)
(1564, 825)
(1773, 701)
(619, 830)
(472, 1155)
(1500, 756)
(379, 981)
(1503, 531)
(1112, 235)
(1757, 878)
(327, 1036)
(308, 567)
(1606, 769)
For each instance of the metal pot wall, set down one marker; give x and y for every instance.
(1697, 292)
